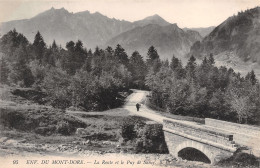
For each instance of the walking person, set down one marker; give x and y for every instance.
(138, 106)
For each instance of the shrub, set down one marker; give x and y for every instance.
(64, 128)
(241, 159)
(30, 94)
(245, 159)
(128, 132)
(150, 139)
(146, 138)
(12, 119)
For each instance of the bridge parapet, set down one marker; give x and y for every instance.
(201, 133)
(243, 135)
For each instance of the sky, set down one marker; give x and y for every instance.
(186, 13)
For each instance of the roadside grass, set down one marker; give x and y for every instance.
(111, 112)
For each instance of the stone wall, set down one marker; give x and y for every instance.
(199, 131)
(244, 135)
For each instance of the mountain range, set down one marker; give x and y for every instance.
(63, 26)
(235, 41)
(95, 29)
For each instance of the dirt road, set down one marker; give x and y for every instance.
(139, 96)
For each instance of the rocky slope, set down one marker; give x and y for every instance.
(238, 34)
(168, 40)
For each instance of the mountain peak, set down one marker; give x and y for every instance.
(52, 11)
(154, 19)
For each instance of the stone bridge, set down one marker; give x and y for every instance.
(197, 141)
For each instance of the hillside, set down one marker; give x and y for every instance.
(204, 31)
(238, 34)
(168, 40)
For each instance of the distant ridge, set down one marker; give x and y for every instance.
(204, 31)
(168, 40)
(96, 29)
(63, 26)
(238, 34)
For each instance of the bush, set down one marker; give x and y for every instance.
(34, 95)
(150, 139)
(128, 132)
(245, 159)
(64, 128)
(146, 138)
(60, 103)
(129, 127)
(11, 119)
(241, 159)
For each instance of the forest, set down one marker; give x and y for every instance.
(92, 80)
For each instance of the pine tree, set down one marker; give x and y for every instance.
(121, 55)
(179, 71)
(48, 58)
(97, 52)
(90, 54)
(251, 77)
(80, 55)
(39, 46)
(152, 55)
(75, 57)
(211, 59)
(54, 45)
(110, 50)
(174, 63)
(153, 59)
(190, 68)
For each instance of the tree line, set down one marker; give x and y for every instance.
(78, 77)
(205, 91)
(73, 76)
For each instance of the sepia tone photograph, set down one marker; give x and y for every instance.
(129, 83)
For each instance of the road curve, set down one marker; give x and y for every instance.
(139, 96)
